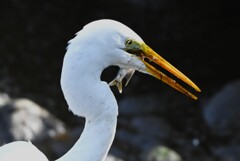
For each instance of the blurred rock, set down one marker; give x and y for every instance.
(22, 119)
(112, 158)
(162, 153)
(222, 112)
(4, 98)
(228, 153)
(143, 132)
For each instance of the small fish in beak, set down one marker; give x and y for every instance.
(122, 73)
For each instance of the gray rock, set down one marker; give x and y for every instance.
(113, 158)
(4, 98)
(222, 112)
(22, 119)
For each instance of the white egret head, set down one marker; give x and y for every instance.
(108, 42)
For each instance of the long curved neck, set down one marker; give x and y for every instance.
(91, 98)
(95, 141)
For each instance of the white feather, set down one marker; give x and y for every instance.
(98, 45)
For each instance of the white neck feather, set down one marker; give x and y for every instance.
(95, 141)
(91, 98)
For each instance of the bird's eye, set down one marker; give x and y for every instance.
(128, 42)
(132, 47)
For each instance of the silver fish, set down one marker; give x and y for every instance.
(122, 73)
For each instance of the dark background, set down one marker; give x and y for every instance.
(201, 38)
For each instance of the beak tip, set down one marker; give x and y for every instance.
(192, 96)
(197, 89)
(157, 59)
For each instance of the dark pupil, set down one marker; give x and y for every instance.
(129, 42)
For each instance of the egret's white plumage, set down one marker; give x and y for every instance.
(21, 151)
(98, 45)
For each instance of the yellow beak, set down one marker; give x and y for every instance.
(152, 56)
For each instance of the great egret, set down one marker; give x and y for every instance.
(99, 44)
